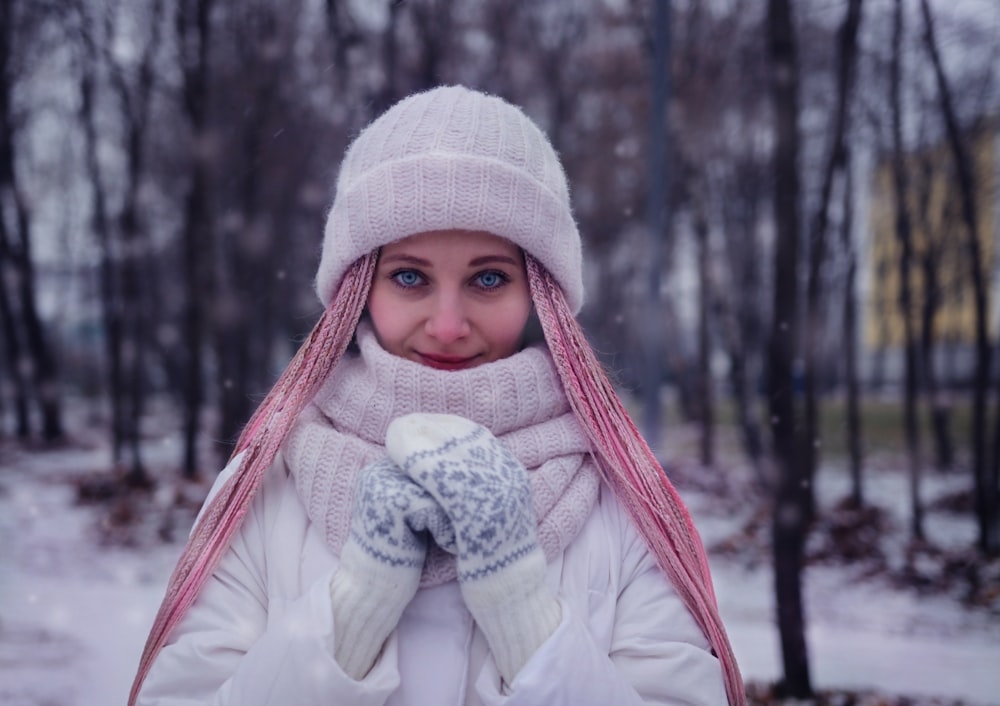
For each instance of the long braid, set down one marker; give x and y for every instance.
(631, 469)
(261, 439)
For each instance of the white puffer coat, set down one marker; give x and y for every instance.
(262, 630)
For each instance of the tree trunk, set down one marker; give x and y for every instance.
(196, 244)
(100, 224)
(343, 35)
(436, 26)
(43, 364)
(133, 354)
(389, 92)
(12, 343)
(18, 260)
(742, 326)
(243, 326)
(853, 406)
(930, 259)
(340, 40)
(193, 31)
(750, 433)
(905, 237)
(836, 161)
(994, 476)
(135, 101)
(986, 491)
(705, 392)
(656, 221)
(789, 523)
(231, 327)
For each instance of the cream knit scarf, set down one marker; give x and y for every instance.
(520, 399)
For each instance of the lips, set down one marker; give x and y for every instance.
(446, 362)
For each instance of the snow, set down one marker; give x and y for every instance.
(863, 633)
(860, 637)
(73, 614)
(75, 608)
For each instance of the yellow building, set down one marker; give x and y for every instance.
(939, 233)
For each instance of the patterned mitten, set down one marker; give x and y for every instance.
(381, 562)
(485, 492)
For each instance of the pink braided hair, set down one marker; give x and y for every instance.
(625, 460)
(261, 439)
(631, 469)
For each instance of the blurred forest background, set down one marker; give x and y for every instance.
(789, 212)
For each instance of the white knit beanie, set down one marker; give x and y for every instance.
(452, 158)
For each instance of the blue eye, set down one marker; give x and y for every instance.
(490, 280)
(406, 278)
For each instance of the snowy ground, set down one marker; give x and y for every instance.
(873, 623)
(80, 584)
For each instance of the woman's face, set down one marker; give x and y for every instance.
(450, 299)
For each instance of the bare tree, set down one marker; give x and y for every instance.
(435, 26)
(994, 476)
(986, 488)
(657, 215)
(28, 347)
(705, 298)
(13, 356)
(723, 180)
(390, 91)
(836, 165)
(343, 36)
(249, 90)
(501, 16)
(853, 406)
(930, 256)
(353, 50)
(790, 515)
(742, 197)
(265, 201)
(89, 66)
(193, 28)
(134, 88)
(905, 237)
(738, 173)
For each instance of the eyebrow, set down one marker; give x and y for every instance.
(475, 262)
(488, 259)
(403, 257)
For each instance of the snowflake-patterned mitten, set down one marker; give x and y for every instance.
(381, 562)
(485, 492)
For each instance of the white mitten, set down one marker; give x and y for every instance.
(485, 492)
(381, 562)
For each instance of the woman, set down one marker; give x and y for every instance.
(446, 513)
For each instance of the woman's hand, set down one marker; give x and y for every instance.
(484, 491)
(381, 562)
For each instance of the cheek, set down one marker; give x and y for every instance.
(509, 331)
(386, 320)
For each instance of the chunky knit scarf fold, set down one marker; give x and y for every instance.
(519, 399)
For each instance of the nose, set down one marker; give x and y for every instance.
(447, 321)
